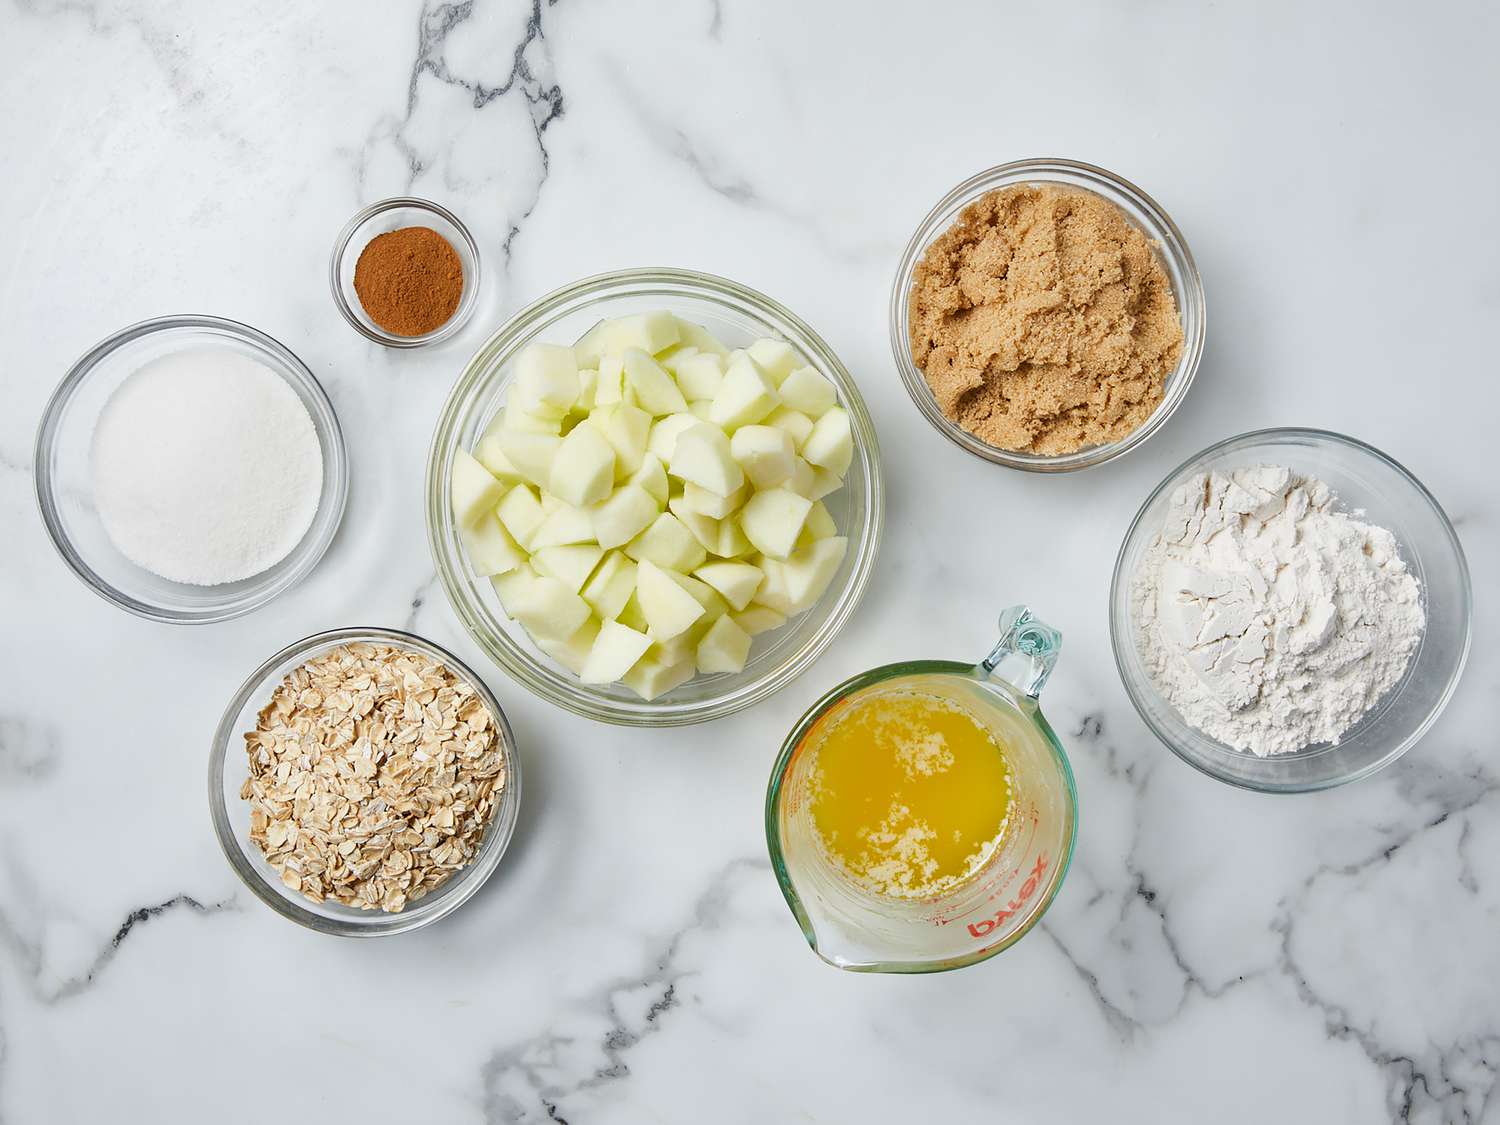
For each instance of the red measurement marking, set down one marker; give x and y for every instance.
(1007, 912)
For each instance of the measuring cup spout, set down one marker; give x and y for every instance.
(1026, 652)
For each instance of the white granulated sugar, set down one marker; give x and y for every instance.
(206, 467)
(1270, 621)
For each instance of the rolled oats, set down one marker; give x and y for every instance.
(374, 772)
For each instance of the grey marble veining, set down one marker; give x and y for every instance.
(1213, 955)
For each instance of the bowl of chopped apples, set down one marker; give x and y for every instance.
(654, 497)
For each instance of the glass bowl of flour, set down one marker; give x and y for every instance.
(189, 469)
(1290, 610)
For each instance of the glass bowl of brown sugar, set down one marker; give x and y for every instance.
(1046, 421)
(405, 272)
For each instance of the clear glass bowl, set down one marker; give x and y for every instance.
(736, 315)
(1363, 478)
(228, 768)
(1144, 213)
(64, 485)
(393, 214)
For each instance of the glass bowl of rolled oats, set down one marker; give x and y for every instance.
(364, 782)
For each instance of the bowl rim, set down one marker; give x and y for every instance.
(287, 363)
(464, 883)
(576, 698)
(1119, 612)
(1107, 184)
(467, 303)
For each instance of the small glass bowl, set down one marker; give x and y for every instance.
(64, 485)
(394, 214)
(1143, 212)
(228, 768)
(1364, 480)
(736, 315)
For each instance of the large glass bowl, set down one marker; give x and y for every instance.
(1143, 212)
(228, 768)
(64, 483)
(736, 315)
(1363, 479)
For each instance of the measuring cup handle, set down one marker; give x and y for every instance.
(1026, 652)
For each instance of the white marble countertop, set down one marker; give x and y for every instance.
(1214, 955)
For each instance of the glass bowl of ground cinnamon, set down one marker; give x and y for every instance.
(1047, 316)
(405, 272)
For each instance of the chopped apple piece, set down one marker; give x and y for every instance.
(823, 483)
(588, 389)
(631, 615)
(489, 454)
(611, 586)
(651, 679)
(776, 358)
(570, 565)
(510, 586)
(673, 358)
(732, 542)
(572, 653)
(490, 548)
(550, 610)
(773, 519)
(809, 571)
(651, 332)
(664, 432)
(830, 446)
(563, 525)
(654, 388)
(803, 477)
(583, 469)
(745, 396)
(627, 429)
(521, 513)
(736, 581)
(819, 523)
(773, 591)
(615, 652)
(701, 338)
(699, 376)
(530, 453)
(522, 421)
(713, 604)
(667, 607)
(808, 391)
(705, 529)
(667, 544)
(473, 489)
(622, 517)
(711, 503)
(652, 476)
(611, 384)
(702, 456)
(758, 619)
(794, 422)
(724, 648)
(765, 453)
(546, 380)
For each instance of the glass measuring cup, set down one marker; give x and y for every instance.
(853, 928)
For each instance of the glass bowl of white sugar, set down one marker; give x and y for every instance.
(1290, 610)
(190, 468)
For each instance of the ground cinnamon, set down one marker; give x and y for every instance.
(1043, 321)
(409, 280)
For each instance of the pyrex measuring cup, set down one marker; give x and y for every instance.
(853, 928)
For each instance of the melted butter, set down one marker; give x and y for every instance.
(909, 793)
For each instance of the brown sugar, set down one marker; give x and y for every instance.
(409, 280)
(1043, 321)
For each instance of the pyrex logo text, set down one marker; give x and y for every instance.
(1028, 888)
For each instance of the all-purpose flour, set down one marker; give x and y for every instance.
(206, 467)
(1269, 620)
